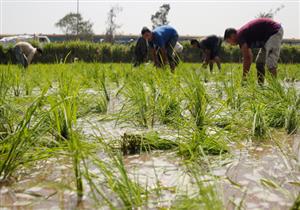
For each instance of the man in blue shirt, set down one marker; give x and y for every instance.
(164, 38)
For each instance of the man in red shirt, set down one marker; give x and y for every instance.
(263, 33)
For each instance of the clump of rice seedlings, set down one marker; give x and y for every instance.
(63, 115)
(5, 77)
(137, 105)
(100, 79)
(232, 89)
(275, 99)
(197, 99)
(292, 120)
(16, 83)
(101, 103)
(8, 118)
(15, 146)
(259, 126)
(170, 110)
(282, 105)
(198, 143)
(135, 143)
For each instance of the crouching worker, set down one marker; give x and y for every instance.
(25, 52)
(163, 38)
(262, 33)
(210, 46)
(140, 51)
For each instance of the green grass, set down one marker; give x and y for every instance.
(43, 107)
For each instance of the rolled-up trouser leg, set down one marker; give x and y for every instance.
(272, 47)
(171, 52)
(20, 57)
(260, 65)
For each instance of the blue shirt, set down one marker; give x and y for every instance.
(162, 35)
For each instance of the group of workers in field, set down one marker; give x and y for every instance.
(262, 33)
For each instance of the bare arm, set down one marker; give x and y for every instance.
(247, 58)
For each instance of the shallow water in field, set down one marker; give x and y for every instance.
(256, 176)
(264, 176)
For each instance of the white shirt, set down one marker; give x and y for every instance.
(27, 49)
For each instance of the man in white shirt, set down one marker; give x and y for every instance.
(25, 52)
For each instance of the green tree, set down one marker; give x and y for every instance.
(73, 24)
(160, 17)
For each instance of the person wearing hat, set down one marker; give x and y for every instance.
(210, 46)
(263, 33)
(25, 53)
(163, 38)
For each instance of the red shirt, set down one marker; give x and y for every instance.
(257, 32)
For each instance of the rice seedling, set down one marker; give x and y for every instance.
(134, 143)
(259, 127)
(24, 137)
(205, 115)
(197, 99)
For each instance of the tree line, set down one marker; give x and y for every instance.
(74, 24)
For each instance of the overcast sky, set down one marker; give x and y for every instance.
(191, 17)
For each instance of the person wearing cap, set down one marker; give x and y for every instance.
(263, 33)
(163, 38)
(25, 53)
(210, 46)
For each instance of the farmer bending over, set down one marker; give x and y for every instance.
(262, 33)
(211, 47)
(165, 38)
(25, 52)
(140, 51)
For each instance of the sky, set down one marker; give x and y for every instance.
(189, 17)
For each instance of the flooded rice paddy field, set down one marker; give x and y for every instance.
(109, 136)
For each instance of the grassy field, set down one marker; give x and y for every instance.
(110, 136)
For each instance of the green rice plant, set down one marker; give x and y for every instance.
(63, 115)
(100, 80)
(135, 143)
(197, 143)
(259, 126)
(4, 84)
(169, 109)
(292, 120)
(137, 104)
(197, 99)
(282, 105)
(101, 103)
(232, 88)
(16, 82)
(27, 133)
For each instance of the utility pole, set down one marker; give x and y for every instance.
(77, 18)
